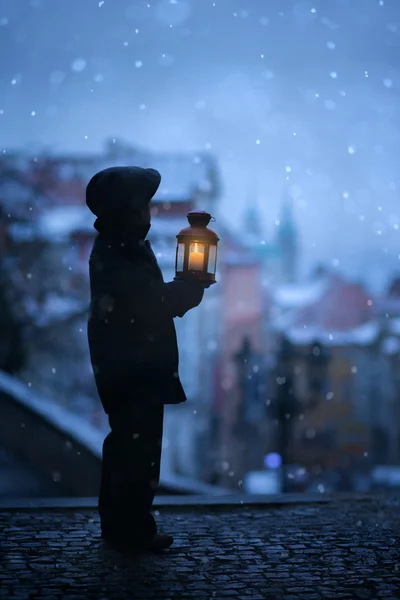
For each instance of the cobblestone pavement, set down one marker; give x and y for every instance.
(336, 550)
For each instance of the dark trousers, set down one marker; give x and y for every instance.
(131, 472)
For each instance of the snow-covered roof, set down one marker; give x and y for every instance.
(284, 320)
(183, 175)
(167, 227)
(79, 430)
(58, 223)
(297, 296)
(330, 309)
(62, 179)
(364, 335)
(55, 309)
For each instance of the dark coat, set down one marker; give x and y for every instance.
(132, 338)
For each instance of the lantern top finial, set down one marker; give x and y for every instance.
(199, 218)
(198, 221)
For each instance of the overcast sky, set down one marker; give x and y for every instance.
(289, 95)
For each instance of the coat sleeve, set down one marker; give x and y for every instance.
(149, 297)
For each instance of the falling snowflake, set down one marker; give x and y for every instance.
(166, 60)
(78, 65)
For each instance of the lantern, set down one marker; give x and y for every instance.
(196, 249)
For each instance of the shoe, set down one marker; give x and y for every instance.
(157, 543)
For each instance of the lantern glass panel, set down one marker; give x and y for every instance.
(196, 256)
(212, 260)
(180, 257)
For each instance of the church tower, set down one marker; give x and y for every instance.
(257, 240)
(287, 241)
(253, 231)
(252, 218)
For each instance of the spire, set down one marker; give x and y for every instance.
(287, 239)
(287, 226)
(252, 214)
(252, 232)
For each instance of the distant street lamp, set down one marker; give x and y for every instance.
(242, 359)
(197, 247)
(285, 406)
(250, 410)
(317, 369)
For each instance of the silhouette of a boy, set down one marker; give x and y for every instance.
(134, 352)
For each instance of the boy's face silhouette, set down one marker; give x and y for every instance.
(139, 222)
(146, 215)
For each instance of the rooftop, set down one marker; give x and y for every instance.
(332, 548)
(63, 178)
(329, 309)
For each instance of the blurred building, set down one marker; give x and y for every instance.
(278, 252)
(347, 419)
(240, 318)
(251, 265)
(46, 199)
(387, 435)
(346, 343)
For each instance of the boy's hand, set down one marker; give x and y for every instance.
(206, 284)
(192, 276)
